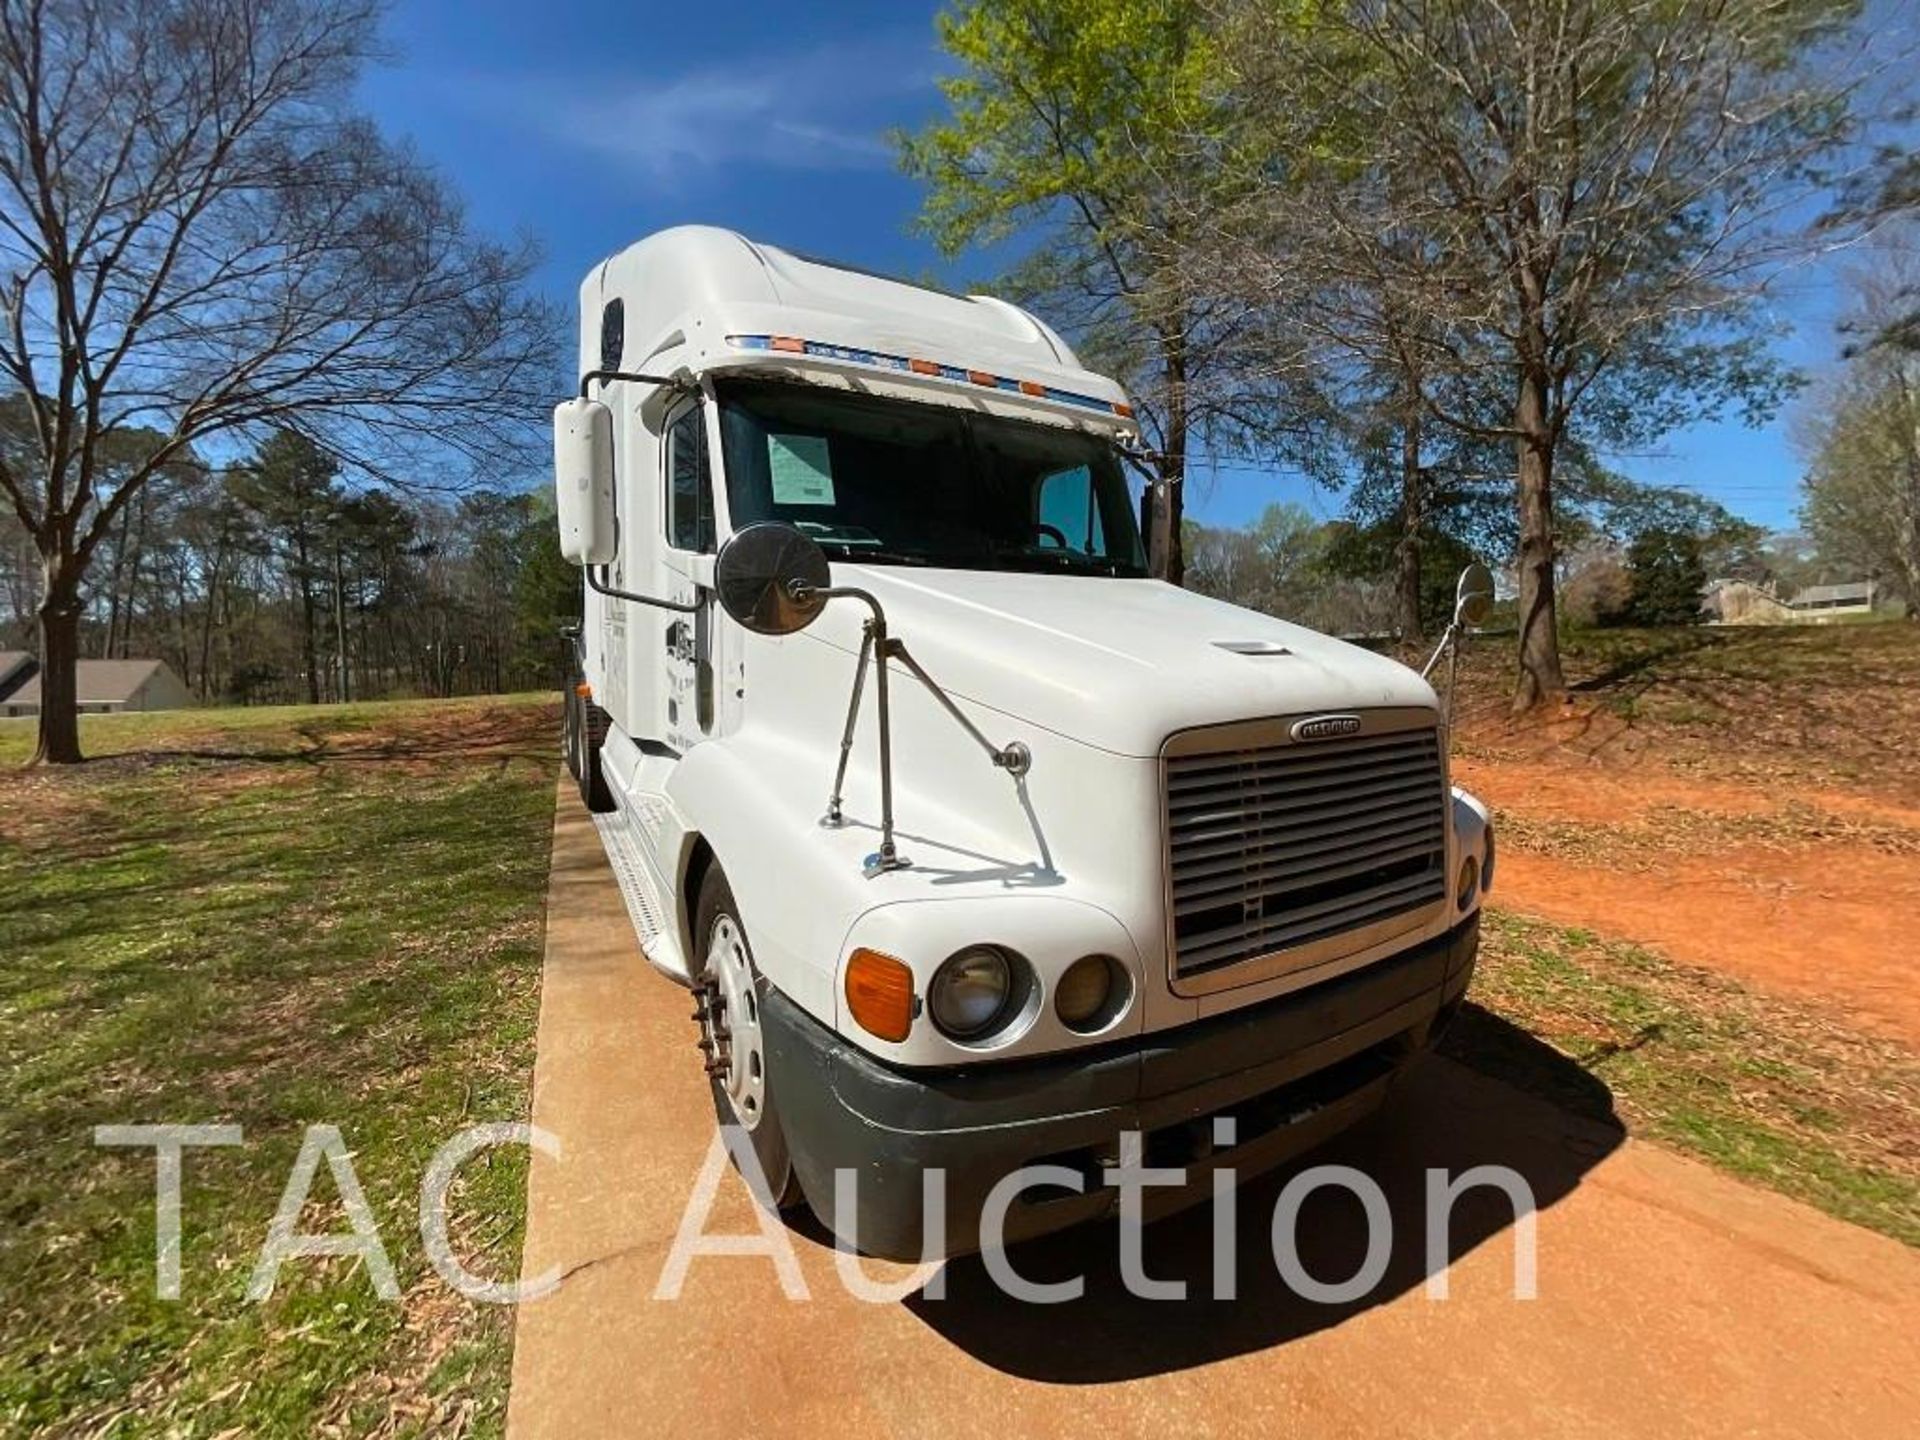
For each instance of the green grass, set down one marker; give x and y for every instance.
(258, 729)
(336, 921)
(1771, 1091)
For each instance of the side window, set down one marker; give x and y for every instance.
(1069, 512)
(613, 334)
(689, 483)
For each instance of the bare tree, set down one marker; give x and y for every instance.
(1585, 198)
(1860, 431)
(200, 240)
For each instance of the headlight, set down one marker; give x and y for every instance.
(1469, 882)
(1091, 992)
(970, 992)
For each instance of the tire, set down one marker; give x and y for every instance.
(731, 990)
(591, 730)
(570, 732)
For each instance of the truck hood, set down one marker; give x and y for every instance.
(1120, 664)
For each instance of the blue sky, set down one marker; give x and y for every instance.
(592, 126)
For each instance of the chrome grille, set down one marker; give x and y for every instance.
(1277, 847)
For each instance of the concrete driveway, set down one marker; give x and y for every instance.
(1671, 1299)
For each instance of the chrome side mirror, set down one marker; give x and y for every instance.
(1473, 596)
(771, 578)
(1472, 599)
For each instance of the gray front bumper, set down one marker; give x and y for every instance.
(1291, 1072)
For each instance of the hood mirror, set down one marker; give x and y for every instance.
(1472, 600)
(771, 578)
(1473, 596)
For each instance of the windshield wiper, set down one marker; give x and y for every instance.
(1027, 557)
(868, 554)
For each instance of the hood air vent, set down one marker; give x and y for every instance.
(1253, 647)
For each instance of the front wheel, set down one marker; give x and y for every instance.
(733, 1042)
(590, 731)
(570, 732)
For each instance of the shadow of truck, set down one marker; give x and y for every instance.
(1443, 1115)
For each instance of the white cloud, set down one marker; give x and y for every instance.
(826, 109)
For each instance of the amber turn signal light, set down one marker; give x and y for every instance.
(880, 994)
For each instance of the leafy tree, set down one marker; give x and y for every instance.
(290, 488)
(1365, 552)
(1665, 578)
(546, 590)
(1584, 197)
(1287, 564)
(1268, 565)
(1623, 510)
(200, 241)
(1075, 119)
(272, 580)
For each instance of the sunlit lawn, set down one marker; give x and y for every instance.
(1776, 1091)
(265, 918)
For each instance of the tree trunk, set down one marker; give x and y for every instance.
(1164, 546)
(1169, 564)
(340, 624)
(308, 647)
(1908, 513)
(59, 621)
(1412, 517)
(214, 582)
(1540, 680)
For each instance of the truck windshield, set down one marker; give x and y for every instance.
(891, 482)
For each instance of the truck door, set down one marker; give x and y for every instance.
(686, 644)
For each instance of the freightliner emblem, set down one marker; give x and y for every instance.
(1325, 727)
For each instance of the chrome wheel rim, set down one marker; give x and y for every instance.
(743, 1074)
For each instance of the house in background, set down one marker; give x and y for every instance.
(104, 687)
(1741, 602)
(1833, 602)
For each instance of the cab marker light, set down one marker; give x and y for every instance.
(583, 690)
(1033, 389)
(879, 992)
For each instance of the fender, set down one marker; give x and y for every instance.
(766, 842)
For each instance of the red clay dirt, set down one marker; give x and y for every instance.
(1805, 915)
(1672, 1299)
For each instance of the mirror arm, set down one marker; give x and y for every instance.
(1447, 638)
(632, 375)
(1014, 758)
(874, 640)
(1145, 462)
(598, 583)
(1450, 647)
(834, 817)
(594, 582)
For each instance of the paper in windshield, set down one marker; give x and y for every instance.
(801, 469)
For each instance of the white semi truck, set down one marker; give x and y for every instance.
(977, 847)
